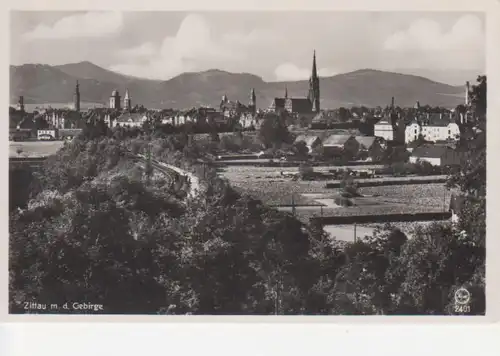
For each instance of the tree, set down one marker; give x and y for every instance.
(301, 149)
(214, 137)
(344, 114)
(478, 97)
(305, 170)
(273, 131)
(349, 187)
(471, 178)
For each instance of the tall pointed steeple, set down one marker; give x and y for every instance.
(253, 100)
(286, 92)
(127, 102)
(76, 97)
(314, 73)
(314, 86)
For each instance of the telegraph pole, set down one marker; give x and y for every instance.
(444, 199)
(354, 232)
(149, 167)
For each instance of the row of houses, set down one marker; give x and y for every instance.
(343, 145)
(355, 146)
(430, 127)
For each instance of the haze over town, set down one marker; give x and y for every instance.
(445, 47)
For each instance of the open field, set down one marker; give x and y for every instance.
(346, 232)
(34, 148)
(392, 181)
(246, 173)
(266, 163)
(311, 195)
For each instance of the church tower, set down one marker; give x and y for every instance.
(314, 87)
(127, 101)
(76, 97)
(114, 100)
(467, 93)
(20, 104)
(253, 100)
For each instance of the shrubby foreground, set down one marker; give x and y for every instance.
(94, 227)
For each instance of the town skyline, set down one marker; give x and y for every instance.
(448, 48)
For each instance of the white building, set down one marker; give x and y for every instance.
(384, 129)
(436, 155)
(412, 131)
(48, 134)
(432, 130)
(129, 120)
(248, 120)
(179, 119)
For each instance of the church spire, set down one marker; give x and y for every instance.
(314, 86)
(127, 101)
(253, 100)
(314, 73)
(76, 97)
(286, 92)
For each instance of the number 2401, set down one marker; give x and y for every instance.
(462, 308)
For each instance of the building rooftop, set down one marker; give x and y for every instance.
(430, 151)
(336, 140)
(383, 121)
(308, 139)
(130, 117)
(366, 141)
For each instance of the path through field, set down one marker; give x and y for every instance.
(30, 149)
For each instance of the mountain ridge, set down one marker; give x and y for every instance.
(42, 84)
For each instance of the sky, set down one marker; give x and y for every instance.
(278, 46)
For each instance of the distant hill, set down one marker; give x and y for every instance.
(41, 84)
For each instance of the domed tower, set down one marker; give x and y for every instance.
(127, 101)
(114, 100)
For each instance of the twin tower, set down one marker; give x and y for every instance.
(114, 99)
(313, 96)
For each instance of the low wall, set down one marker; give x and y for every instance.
(364, 219)
(378, 183)
(27, 159)
(278, 163)
(239, 157)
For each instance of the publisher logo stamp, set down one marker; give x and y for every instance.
(462, 296)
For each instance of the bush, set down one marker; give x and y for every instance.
(305, 169)
(343, 201)
(349, 188)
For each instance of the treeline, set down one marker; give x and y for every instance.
(99, 229)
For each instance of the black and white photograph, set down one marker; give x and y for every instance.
(264, 163)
